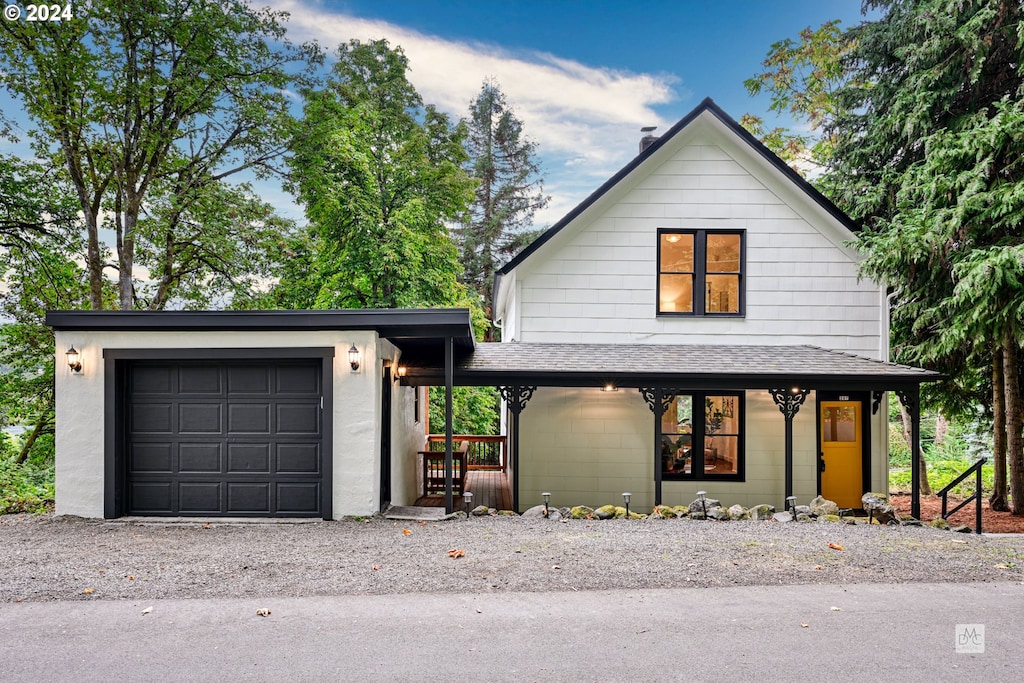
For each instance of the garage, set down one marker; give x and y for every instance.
(207, 438)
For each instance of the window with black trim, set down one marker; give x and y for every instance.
(708, 447)
(700, 272)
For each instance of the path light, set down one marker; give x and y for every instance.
(468, 497)
(791, 505)
(354, 358)
(74, 361)
(703, 503)
(547, 499)
(625, 497)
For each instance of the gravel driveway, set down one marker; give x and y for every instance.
(59, 558)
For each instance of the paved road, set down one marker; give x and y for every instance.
(879, 632)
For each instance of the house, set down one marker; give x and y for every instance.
(696, 324)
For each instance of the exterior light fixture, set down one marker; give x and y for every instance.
(402, 370)
(468, 498)
(703, 502)
(609, 386)
(625, 497)
(354, 358)
(74, 360)
(791, 505)
(795, 390)
(547, 499)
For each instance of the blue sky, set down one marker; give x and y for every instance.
(583, 75)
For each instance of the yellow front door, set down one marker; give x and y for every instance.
(842, 452)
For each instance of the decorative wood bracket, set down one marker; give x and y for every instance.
(789, 402)
(516, 397)
(666, 395)
(876, 400)
(909, 399)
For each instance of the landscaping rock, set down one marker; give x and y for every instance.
(831, 518)
(681, 511)
(506, 513)
(537, 512)
(823, 506)
(803, 510)
(961, 530)
(877, 506)
(738, 512)
(762, 512)
(665, 511)
(708, 502)
(606, 512)
(801, 517)
(697, 515)
(620, 512)
(782, 517)
(481, 511)
(581, 512)
(939, 523)
(720, 513)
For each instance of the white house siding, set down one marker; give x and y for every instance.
(596, 281)
(407, 440)
(80, 409)
(587, 447)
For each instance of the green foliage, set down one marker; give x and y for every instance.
(940, 474)
(380, 176)
(508, 192)
(475, 410)
(26, 487)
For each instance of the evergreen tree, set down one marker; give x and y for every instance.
(508, 194)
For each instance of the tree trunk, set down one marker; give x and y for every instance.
(926, 488)
(1014, 451)
(998, 500)
(39, 428)
(941, 429)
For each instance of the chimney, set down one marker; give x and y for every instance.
(648, 139)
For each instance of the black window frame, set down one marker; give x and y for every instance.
(697, 435)
(700, 236)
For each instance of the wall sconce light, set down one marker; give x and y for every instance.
(547, 498)
(402, 370)
(626, 497)
(468, 498)
(74, 361)
(354, 358)
(703, 502)
(609, 386)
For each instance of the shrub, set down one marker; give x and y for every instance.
(27, 487)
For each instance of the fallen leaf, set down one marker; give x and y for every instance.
(131, 578)
(836, 546)
(263, 612)
(804, 624)
(206, 526)
(376, 567)
(407, 532)
(817, 566)
(835, 609)
(556, 567)
(89, 591)
(479, 611)
(102, 571)
(455, 553)
(422, 523)
(147, 610)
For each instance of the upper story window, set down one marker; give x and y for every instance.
(700, 272)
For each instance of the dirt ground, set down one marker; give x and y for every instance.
(991, 521)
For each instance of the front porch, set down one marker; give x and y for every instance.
(486, 473)
(489, 487)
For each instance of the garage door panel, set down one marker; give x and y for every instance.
(298, 458)
(225, 438)
(248, 457)
(200, 457)
(151, 457)
(200, 418)
(198, 380)
(298, 498)
(199, 497)
(151, 497)
(298, 380)
(152, 418)
(152, 380)
(249, 497)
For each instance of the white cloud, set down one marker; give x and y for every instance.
(585, 119)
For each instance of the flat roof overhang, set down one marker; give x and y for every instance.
(658, 365)
(412, 330)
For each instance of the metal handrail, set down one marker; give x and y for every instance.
(976, 469)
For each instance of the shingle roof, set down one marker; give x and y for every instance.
(554, 364)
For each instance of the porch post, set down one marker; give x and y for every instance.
(658, 400)
(911, 399)
(449, 381)
(789, 402)
(515, 397)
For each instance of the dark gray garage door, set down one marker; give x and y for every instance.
(224, 438)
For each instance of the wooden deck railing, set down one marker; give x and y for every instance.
(485, 452)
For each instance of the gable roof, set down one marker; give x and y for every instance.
(706, 106)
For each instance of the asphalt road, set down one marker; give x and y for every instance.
(904, 632)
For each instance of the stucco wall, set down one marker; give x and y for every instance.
(356, 396)
(587, 447)
(408, 436)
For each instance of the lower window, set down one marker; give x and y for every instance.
(701, 437)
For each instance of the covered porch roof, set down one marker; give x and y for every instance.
(695, 366)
